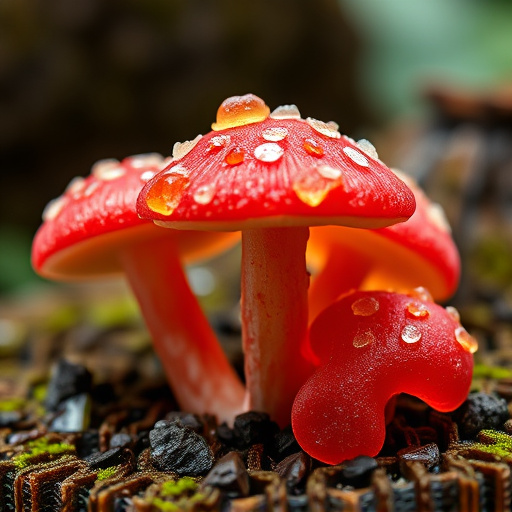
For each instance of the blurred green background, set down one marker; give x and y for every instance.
(91, 79)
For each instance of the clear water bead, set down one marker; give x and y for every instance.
(328, 129)
(410, 334)
(356, 156)
(421, 293)
(286, 112)
(367, 147)
(418, 310)
(269, 152)
(180, 149)
(275, 134)
(366, 306)
(218, 142)
(466, 340)
(204, 194)
(453, 312)
(363, 338)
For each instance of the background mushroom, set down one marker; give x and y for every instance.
(272, 176)
(93, 230)
(373, 345)
(418, 252)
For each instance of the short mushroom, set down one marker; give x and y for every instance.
(372, 346)
(418, 252)
(271, 176)
(93, 230)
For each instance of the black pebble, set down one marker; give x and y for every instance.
(428, 455)
(106, 459)
(357, 472)
(187, 420)
(230, 475)
(295, 469)
(253, 428)
(480, 411)
(67, 380)
(284, 444)
(179, 449)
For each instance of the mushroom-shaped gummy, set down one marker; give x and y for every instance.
(373, 346)
(418, 252)
(272, 175)
(93, 230)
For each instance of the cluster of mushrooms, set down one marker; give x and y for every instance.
(326, 356)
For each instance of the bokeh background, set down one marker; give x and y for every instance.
(91, 79)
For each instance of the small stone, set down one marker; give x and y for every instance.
(186, 419)
(103, 460)
(67, 380)
(284, 444)
(480, 411)
(179, 449)
(428, 455)
(225, 434)
(73, 414)
(357, 472)
(253, 427)
(229, 475)
(295, 470)
(120, 440)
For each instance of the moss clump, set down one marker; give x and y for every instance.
(12, 404)
(175, 495)
(482, 371)
(103, 474)
(495, 443)
(41, 447)
(178, 487)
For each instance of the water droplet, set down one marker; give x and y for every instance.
(180, 149)
(313, 147)
(329, 172)
(411, 334)
(453, 312)
(204, 194)
(356, 156)
(363, 338)
(239, 111)
(235, 156)
(269, 152)
(417, 310)
(275, 134)
(53, 208)
(76, 185)
(367, 147)
(104, 169)
(421, 293)
(165, 194)
(146, 160)
(108, 174)
(286, 112)
(366, 306)
(218, 142)
(328, 129)
(436, 215)
(466, 340)
(312, 191)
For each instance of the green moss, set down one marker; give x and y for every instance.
(103, 474)
(482, 371)
(178, 487)
(13, 404)
(177, 495)
(495, 443)
(40, 447)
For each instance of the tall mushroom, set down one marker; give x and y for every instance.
(272, 176)
(418, 252)
(373, 345)
(93, 230)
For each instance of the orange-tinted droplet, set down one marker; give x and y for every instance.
(240, 110)
(235, 156)
(466, 340)
(421, 293)
(417, 311)
(218, 142)
(366, 306)
(313, 148)
(165, 194)
(363, 338)
(453, 312)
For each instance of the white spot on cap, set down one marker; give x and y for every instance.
(329, 129)
(91, 188)
(436, 215)
(180, 149)
(270, 152)
(329, 172)
(146, 160)
(204, 194)
(275, 134)
(147, 175)
(76, 185)
(286, 112)
(53, 208)
(367, 147)
(356, 156)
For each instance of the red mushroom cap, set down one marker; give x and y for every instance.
(85, 229)
(257, 170)
(418, 252)
(374, 345)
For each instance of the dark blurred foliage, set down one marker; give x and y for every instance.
(90, 79)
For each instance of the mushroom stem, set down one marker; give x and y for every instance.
(274, 318)
(341, 272)
(201, 377)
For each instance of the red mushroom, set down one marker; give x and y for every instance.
(272, 176)
(93, 230)
(418, 252)
(372, 346)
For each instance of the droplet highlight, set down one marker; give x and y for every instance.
(313, 148)
(239, 111)
(465, 339)
(270, 152)
(356, 156)
(180, 149)
(415, 310)
(218, 142)
(367, 147)
(410, 334)
(275, 133)
(421, 293)
(366, 306)
(286, 112)
(165, 194)
(328, 129)
(363, 338)
(204, 194)
(235, 156)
